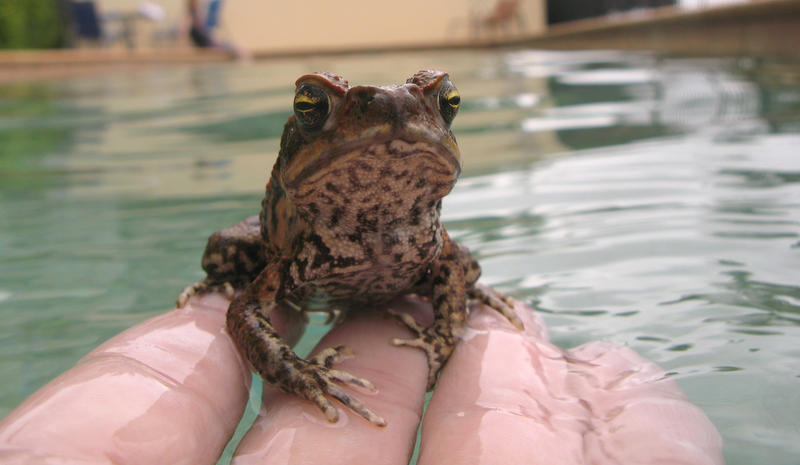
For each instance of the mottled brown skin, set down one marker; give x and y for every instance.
(351, 213)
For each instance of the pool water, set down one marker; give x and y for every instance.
(641, 200)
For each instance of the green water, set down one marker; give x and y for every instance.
(649, 202)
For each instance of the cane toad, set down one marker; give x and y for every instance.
(351, 213)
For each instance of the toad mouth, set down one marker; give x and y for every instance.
(400, 145)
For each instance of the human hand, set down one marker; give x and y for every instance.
(172, 389)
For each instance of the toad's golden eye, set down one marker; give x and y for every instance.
(449, 101)
(311, 106)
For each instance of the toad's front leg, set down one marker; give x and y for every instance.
(250, 327)
(452, 281)
(449, 300)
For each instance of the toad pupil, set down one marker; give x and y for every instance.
(351, 213)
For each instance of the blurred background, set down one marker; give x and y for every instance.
(313, 25)
(631, 170)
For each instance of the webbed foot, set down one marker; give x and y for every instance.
(315, 378)
(437, 347)
(204, 287)
(497, 301)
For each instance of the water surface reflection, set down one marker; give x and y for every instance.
(646, 201)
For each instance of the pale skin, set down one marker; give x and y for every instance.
(172, 389)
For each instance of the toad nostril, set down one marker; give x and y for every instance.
(362, 96)
(365, 97)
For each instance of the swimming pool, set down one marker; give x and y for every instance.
(646, 201)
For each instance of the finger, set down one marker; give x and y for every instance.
(643, 416)
(169, 390)
(290, 430)
(519, 399)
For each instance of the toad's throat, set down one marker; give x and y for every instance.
(388, 183)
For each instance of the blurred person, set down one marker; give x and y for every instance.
(200, 35)
(203, 22)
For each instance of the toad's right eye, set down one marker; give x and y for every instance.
(449, 101)
(311, 106)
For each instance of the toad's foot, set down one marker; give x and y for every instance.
(436, 346)
(497, 301)
(312, 379)
(204, 287)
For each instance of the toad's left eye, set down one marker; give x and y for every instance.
(449, 101)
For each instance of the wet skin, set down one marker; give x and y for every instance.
(351, 215)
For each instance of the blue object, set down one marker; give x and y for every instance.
(212, 17)
(86, 21)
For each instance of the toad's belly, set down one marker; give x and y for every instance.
(374, 283)
(377, 266)
(371, 277)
